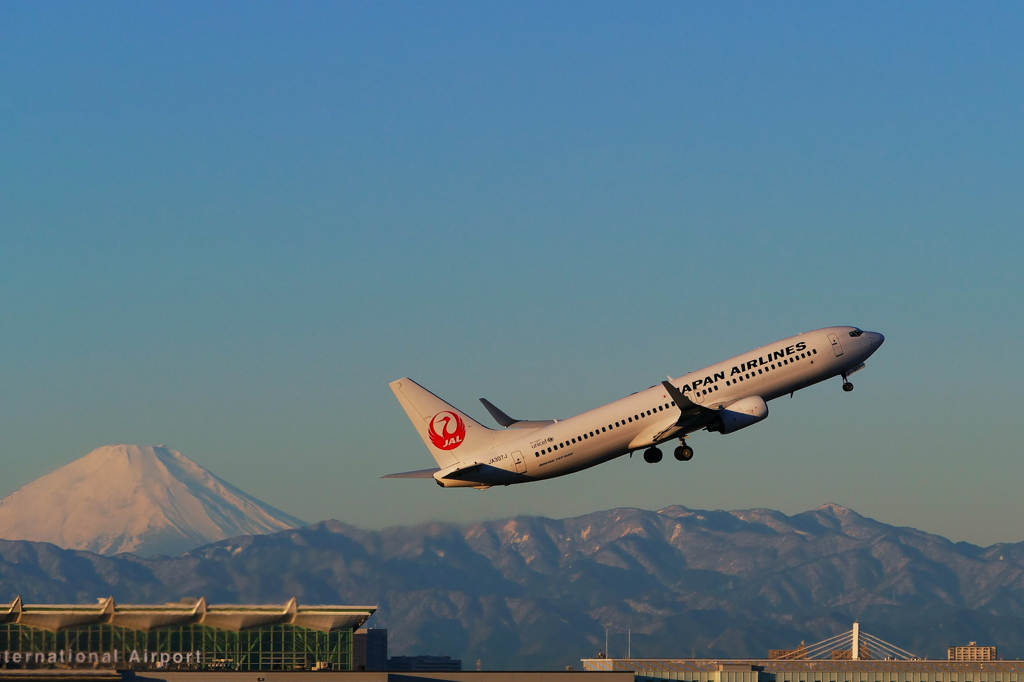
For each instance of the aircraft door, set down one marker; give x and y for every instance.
(837, 347)
(517, 457)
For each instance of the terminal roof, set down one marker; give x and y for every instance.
(235, 617)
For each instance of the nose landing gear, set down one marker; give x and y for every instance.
(684, 453)
(652, 455)
(847, 386)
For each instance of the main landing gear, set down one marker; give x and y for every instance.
(847, 386)
(684, 453)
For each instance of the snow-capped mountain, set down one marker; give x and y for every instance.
(140, 499)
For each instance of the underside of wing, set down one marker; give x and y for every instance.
(422, 473)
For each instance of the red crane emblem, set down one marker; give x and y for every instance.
(447, 430)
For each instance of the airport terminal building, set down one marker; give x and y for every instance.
(188, 635)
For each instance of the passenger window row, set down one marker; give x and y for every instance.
(604, 429)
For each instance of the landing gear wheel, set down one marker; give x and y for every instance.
(684, 453)
(652, 455)
(847, 386)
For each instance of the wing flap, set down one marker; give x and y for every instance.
(655, 433)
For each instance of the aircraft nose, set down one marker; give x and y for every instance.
(875, 338)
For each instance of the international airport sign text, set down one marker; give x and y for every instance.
(70, 657)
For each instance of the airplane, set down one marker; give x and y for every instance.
(722, 398)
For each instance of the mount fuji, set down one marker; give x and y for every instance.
(140, 499)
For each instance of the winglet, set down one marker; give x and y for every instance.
(682, 402)
(498, 415)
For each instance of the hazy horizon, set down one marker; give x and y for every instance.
(465, 522)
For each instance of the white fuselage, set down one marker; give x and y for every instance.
(650, 417)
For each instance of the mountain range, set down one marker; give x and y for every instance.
(130, 498)
(534, 592)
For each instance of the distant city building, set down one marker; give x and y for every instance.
(972, 652)
(788, 654)
(370, 649)
(424, 664)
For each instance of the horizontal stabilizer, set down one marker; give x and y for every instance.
(463, 472)
(510, 423)
(476, 475)
(422, 473)
(499, 416)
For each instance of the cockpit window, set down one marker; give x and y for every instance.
(856, 332)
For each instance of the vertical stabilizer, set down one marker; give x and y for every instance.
(450, 435)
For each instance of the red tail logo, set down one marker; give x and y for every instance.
(447, 431)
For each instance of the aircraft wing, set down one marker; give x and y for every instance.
(422, 473)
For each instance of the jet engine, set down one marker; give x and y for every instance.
(739, 415)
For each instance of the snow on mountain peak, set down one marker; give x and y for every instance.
(130, 498)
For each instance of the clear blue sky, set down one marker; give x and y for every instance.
(225, 227)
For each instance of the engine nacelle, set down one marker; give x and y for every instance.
(739, 415)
